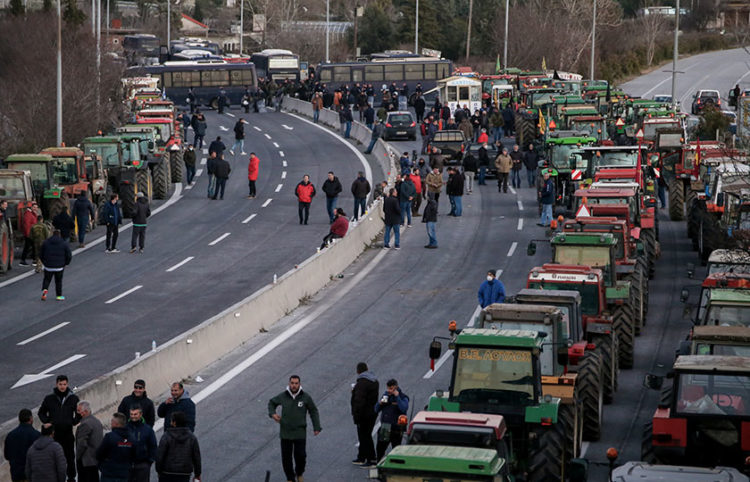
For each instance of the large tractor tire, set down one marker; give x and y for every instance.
(591, 394)
(176, 165)
(144, 183)
(642, 265)
(622, 322)
(676, 200)
(637, 295)
(648, 237)
(706, 240)
(570, 416)
(161, 179)
(525, 130)
(547, 460)
(55, 206)
(606, 348)
(694, 209)
(6, 247)
(127, 196)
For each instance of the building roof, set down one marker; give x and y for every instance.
(192, 20)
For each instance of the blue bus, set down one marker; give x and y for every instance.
(276, 64)
(380, 71)
(207, 78)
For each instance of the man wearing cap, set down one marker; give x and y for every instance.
(139, 398)
(491, 290)
(142, 211)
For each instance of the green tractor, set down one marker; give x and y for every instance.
(435, 463)
(49, 176)
(559, 147)
(127, 171)
(499, 372)
(149, 144)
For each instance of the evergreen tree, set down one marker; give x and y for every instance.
(72, 14)
(198, 12)
(375, 32)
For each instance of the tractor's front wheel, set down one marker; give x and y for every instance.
(591, 394)
(547, 460)
(622, 322)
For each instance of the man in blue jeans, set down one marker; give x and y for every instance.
(406, 193)
(392, 214)
(332, 188)
(429, 217)
(548, 198)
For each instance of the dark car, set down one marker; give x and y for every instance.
(400, 125)
(702, 98)
(492, 153)
(451, 144)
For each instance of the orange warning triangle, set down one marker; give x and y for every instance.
(583, 211)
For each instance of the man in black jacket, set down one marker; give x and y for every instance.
(18, 441)
(429, 217)
(531, 161)
(58, 410)
(64, 222)
(392, 213)
(139, 398)
(142, 212)
(84, 211)
(179, 454)
(364, 397)
(55, 256)
(332, 188)
(221, 171)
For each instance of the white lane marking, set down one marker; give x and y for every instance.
(743, 76)
(249, 218)
(283, 174)
(278, 188)
(219, 239)
(267, 136)
(655, 87)
(281, 153)
(176, 195)
(520, 205)
(44, 333)
(282, 337)
(512, 248)
(187, 188)
(511, 189)
(123, 295)
(257, 128)
(198, 172)
(230, 114)
(448, 353)
(203, 161)
(268, 201)
(26, 379)
(283, 163)
(360, 156)
(184, 261)
(276, 145)
(520, 224)
(225, 129)
(205, 151)
(287, 127)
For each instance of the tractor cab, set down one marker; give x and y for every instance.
(627, 245)
(621, 203)
(623, 160)
(592, 125)
(724, 300)
(729, 261)
(71, 157)
(717, 340)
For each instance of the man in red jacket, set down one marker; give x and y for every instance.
(28, 219)
(252, 174)
(305, 192)
(338, 229)
(417, 201)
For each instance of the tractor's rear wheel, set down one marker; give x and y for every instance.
(6, 248)
(637, 293)
(547, 460)
(591, 395)
(676, 200)
(56, 205)
(693, 209)
(176, 165)
(127, 196)
(622, 322)
(161, 178)
(570, 415)
(606, 347)
(649, 244)
(525, 130)
(144, 183)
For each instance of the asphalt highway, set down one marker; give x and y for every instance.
(201, 255)
(390, 304)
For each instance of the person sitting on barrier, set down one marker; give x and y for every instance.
(339, 227)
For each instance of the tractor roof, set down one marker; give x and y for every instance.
(605, 192)
(611, 148)
(101, 140)
(587, 118)
(62, 151)
(153, 120)
(499, 338)
(520, 313)
(729, 256)
(461, 419)
(565, 273)
(573, 139)
(584, 238)
(443, 459)
(28, 158)
(542, 296)
(604, 222)
(721, 334)
(712, 363)
(12, 173)
(724, 295)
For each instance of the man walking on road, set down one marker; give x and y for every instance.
(113, 219)
(434, 181)
(139, 398)
(484, 163)
(491, 290)
(503, 164)
(517, 157)
(406, 194)
(189, 159)
(253, 167)
(364, 397)
(199, 129)
(84, 213)
(455, 191)
(360, 190)
(332, 188)
(179, 454)
(218, 147)
(305, 192)
(179, 401)
(239, 137)
(46, 460)
(392, 214)
(17, 444)
(391, 406)
(221, 172)
(89, 436)
(377, 133)
(417, 181)
(210, 166)
(547, 198)
(531, 160)
(58, 412)
(39, 234)
(470, 170)
(144, 445)
(55, 256)
(295, 405)
(429, 217)
(142, 212)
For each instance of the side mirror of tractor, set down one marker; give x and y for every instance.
(436, 349)
(684, 295)
(690, 270)
(653, 382)
(531, 248)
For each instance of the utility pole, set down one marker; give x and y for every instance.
(169, 27)
(468, 31)
(59, 73)
(242, 22)
(107, 20)
(328, 29)
(593, 43)
(675, 54)
(98, 59)
(505, 50)
(356, 11)
(416, 30)
(93, 17)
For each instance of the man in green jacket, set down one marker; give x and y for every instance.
(295, 404)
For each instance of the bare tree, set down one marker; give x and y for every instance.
(653, 27)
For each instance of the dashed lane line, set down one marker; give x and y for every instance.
(276, 145)
(281, 153)
(520, 224)
(283, 163)
(123, 295)
(198, 172)
(205, 151)
(268, 201)
(257, 128)
(181, 263)
(267, 136)
(230, 114)
(283, 174)
(248, 219)
(520, 205)
(225, 129)
(278, 188)
(44, 333)
(203, 161)
(512, 248)
(219, 239)
(511, 189)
